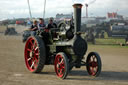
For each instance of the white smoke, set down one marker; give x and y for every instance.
(84, 1)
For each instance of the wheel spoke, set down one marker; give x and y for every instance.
(90, 64)
(36, 54)
(29, 50)
(58, 59)
(34, 45)
(96, 64)
(32, 64)
(92, 70)
(61, 71)
(35, 64)
(93, 58)
(36, 59)
(31, 42)
(36, 48)
(29, 59)
(96, 68)
(93, 73)
(63, 67)
(61, 60)
(58, 69)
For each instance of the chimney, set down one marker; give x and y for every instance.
(77, 17)
(86, 10)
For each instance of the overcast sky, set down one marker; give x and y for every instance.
(19, 8)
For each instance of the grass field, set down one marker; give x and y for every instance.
(107, 46)
(110, 41)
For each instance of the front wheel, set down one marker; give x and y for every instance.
(61, 65)
(93, 64)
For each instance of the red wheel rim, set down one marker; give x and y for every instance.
(93, 65)
(59, 66)
(31, 54)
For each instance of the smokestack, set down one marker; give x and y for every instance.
(79, 44)
(77, 17)
(86, 10)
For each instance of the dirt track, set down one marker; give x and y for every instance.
(14, 72)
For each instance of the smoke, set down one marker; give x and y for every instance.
(78, 1)
(84, 1)
(91, 2)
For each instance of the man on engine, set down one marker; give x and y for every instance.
(51, 24)
(41, 24)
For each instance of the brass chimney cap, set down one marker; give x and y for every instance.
(77, 5)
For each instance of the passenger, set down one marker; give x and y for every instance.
(34, 27)
(41, 24)
(51, 24)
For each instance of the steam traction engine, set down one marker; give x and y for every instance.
(64, 51)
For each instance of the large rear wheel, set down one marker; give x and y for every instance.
(61, 65)
(93, 64)
(34, 54)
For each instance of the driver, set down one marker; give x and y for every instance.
(51, 24)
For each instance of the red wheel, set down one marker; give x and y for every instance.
(34, 54)
(93, 64)
(61, 65)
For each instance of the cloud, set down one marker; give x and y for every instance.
(19, 8)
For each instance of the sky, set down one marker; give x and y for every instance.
(19, 8)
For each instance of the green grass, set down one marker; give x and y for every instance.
(110, 41)
(107, 46)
